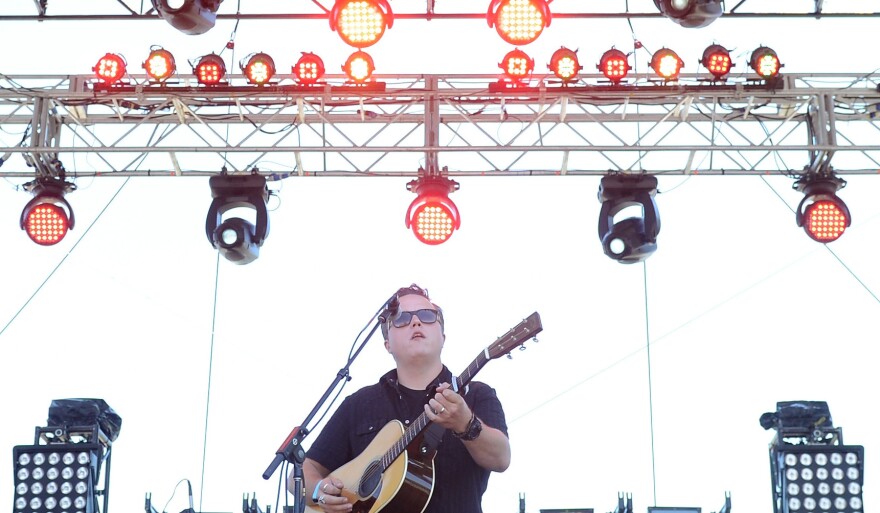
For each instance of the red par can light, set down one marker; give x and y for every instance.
(614, 64)
(717, 60)
(309, 68)
(210, 70)
(110, 68)
(517, 65)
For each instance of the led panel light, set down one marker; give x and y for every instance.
(820, 478)
(55, 478)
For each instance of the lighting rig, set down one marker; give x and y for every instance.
(821, 213)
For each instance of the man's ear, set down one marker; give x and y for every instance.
(387, 348)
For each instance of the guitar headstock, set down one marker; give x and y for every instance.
(516, 337)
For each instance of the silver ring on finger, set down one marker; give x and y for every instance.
(324, 488)
(321, 500)
(442, 409)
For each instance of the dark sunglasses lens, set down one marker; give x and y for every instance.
(404, 318)
(427, 316)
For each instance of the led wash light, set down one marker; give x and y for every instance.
(359, 67)
(48, 216)
(210, 70)
(822, 214)
(309, 68)
(55, 478)
(667, 64)
(517, 65)
(110, 68)
(564, 64)
(160, 64)
(259, 68)
(765, 62)
(432, 215)
(716, 59)
(614, 65)
(519, 22)
(361, 23)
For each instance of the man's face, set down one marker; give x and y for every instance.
(417, 341)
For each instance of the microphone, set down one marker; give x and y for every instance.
(391, 306)
(189, 489)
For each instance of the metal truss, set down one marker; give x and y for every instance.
(122, 10)
(469, 124)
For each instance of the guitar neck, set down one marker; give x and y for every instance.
(416, 428)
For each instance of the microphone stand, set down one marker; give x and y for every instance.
(291, 449)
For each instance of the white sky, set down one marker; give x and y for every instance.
(741, 308)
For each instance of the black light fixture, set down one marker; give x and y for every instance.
(635, 238)
(822, 214)
(189, 16)
(810, 467)
(237, 239)
(47, 217)
(61, 470)
(691, 13)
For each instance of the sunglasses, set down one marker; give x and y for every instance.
(425, 315)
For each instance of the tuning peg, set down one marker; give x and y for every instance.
(535, 340)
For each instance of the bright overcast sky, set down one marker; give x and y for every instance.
(740, 307)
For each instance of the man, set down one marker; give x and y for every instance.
(467, 427)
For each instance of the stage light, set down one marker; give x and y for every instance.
(237, 239)
(259, 68)
(48, 216)
(361, 23)
(519, 22)
(811, 469)
(359, 67)
(691, 13)
(614, 65)
(564, 64)
(667, 64)
(110, 68)
(716, 59)
(189, 16)
(822, 214)
(160, 64)
(60, 471)
(635, 238)
(765, 62)
(517, 65)
(432, 215)
(210, 70)
(309, 68)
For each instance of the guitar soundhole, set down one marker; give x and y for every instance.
(370, 481)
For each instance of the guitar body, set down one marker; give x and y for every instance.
(404, 487)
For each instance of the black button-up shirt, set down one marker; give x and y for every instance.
(459, 483)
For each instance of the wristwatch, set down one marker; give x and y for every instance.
(472, 431)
